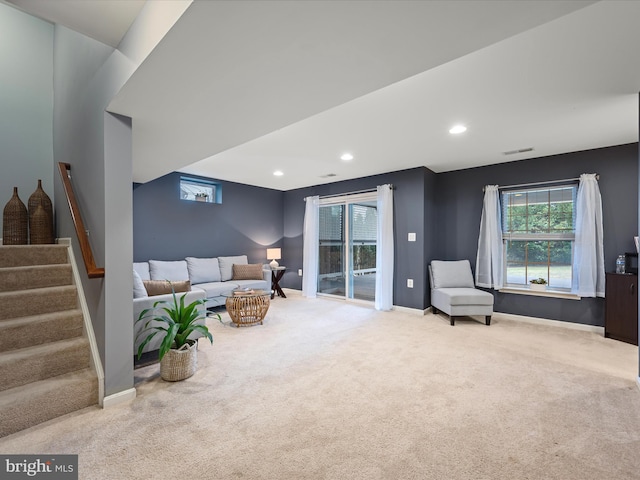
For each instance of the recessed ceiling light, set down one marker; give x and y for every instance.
(456, 129)
(278, 173)
(346, 157)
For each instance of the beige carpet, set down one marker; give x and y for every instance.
(329, 390)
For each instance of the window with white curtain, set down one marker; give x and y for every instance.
(538, 232)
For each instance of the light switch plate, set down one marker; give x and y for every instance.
(412, 237)
(409, 282)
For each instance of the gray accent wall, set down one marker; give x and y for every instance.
(26, 104)
(248, 220)
(459, 208)
(414, 202)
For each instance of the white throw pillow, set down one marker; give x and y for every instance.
(203, 270)
(451, 274)
(139, 291)
(143, 270)
(226, 266)
(163, 270)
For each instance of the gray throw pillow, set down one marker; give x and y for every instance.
(138, 287)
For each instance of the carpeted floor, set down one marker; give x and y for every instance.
(330, 390)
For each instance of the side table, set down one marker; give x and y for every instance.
(276, 276)
(247, 307)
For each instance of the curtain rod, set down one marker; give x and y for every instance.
(541, 183)
(368, 190)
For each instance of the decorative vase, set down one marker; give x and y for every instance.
(15, 221)
(179, 364)
(42, 230)
(40, 227)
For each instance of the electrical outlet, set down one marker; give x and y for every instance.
(299, 272)
(409, 282)
(412, 237)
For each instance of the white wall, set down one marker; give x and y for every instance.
(26, 104)
(97, 144)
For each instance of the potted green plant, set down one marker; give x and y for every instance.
(539, 284)
(201, 197)
(178, 353)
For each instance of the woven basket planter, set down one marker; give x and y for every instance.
(178, 364)
(40, 217)
(15, 221)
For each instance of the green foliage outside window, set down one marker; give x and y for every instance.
(538, 228)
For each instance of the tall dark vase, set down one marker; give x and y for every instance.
(40, 222)
(15, 221)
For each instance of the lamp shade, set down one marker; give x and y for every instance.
(274, 254)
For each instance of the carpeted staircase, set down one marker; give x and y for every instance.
(45, 369)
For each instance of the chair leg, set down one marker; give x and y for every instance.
(487, 320)
(453, 320)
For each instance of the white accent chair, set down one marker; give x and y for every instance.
(453, 291)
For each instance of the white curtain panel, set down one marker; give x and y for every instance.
(310, 247)
(384, 249)
(489, 268)
(588, 250)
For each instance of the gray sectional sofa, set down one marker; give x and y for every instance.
(210, 278)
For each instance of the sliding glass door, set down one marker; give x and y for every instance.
(363, 224)
(347, 247)
(332, 253)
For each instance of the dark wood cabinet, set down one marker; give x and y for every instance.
(621, 308)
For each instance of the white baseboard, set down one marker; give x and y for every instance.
(119, 398)
(638, 383)
(554, 323)
(413, 311)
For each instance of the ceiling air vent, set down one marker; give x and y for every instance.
(329, 175)
(521, 150)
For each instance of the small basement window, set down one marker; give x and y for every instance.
(198, 190)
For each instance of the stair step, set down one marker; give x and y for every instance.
(32, 364)
(28, 405)
(22, 255)
(35, 276)
(25, 303)
(38, 329)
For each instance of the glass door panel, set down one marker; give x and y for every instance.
(363, 223)
(331, 256)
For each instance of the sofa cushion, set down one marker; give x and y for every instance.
(254, 284)
(455, 274)
(462, 296)
(162, 287)
(227, 263)
(203, 270)
(139, 291)
(168, 270)
(143, 270)
(216, 289)
(252, 271)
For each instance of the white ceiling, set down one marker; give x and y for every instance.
(237, 90)
(104, 20)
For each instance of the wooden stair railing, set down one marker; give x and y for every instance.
(85, 246)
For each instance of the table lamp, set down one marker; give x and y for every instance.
(274, 254)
